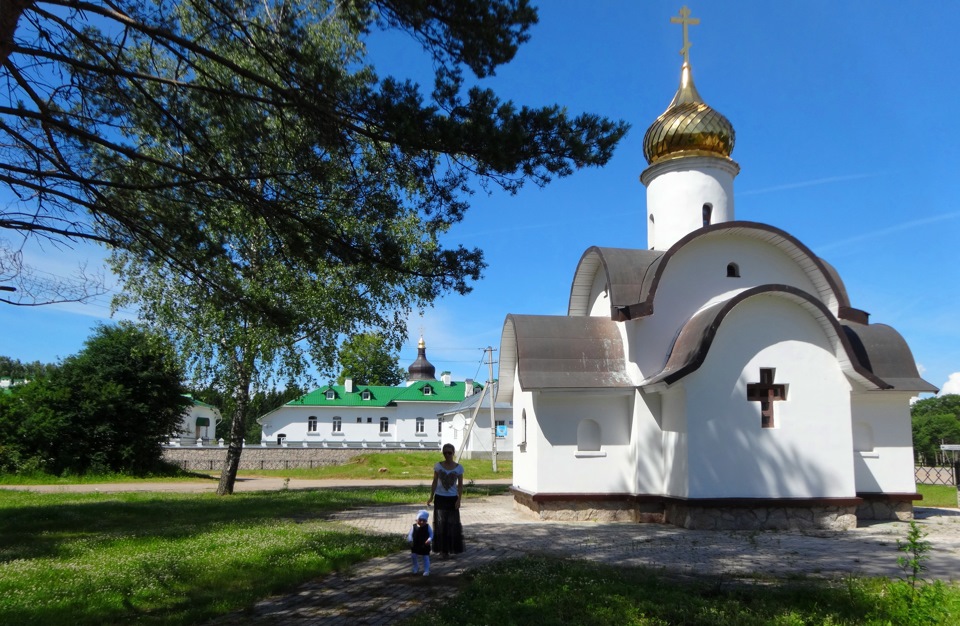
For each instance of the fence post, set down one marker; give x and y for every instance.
(956, 478)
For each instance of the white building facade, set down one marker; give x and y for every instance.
(415, 416)
(719, 378)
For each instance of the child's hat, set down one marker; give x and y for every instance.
(424, 515)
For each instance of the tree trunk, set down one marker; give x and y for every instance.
(241, 403)
(10, 12)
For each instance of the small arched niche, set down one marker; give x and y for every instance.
(733, 270)
(588, 436)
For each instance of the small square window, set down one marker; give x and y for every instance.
(331, 395)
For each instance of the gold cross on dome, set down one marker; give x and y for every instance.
(686, 20)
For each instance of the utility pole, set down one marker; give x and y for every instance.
(493, 416)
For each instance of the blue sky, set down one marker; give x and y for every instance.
(847, 138)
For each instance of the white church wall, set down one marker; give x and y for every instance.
(697, 275)
(563, 466)
(883, 442)
(676, 195)
(647, 444)
(808, 452)
(675, 442)
(526, 449)
(599, 295)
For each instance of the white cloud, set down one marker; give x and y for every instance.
(952, 385)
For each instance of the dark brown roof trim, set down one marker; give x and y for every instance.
(702, 330)
(889, 497)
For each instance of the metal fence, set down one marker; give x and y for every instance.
(262, 464)
(943, 475)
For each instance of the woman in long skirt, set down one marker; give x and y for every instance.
(445, 492)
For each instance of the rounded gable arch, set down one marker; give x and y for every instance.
(829, 289)
(693, 342)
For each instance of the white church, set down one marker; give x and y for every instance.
(718, 378)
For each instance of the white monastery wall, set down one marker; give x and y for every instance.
(480, 436)
(730, 455)
(568, 463)
(883, 442)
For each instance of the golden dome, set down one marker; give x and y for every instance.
(688, 127)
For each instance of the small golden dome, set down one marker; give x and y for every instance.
(688, 127)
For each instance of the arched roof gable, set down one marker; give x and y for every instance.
(625, 270)
(693, 343)
(633, 276)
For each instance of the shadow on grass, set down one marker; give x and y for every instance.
(38, 525)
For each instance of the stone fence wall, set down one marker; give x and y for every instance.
(210, 458)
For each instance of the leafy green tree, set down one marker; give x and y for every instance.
(367, 359)
(114, 113)
(315, 204)
(15, 369)
(935, 421)
(105, 409)
(261, 403)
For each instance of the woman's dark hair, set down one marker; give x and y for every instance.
(447, 447)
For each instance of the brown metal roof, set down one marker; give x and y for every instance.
(559, 352)
(628, 275)
(883, 351)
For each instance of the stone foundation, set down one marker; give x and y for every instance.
(208, 459)
(761, 518)
(816, 515)
(885, 510)
(587, 510)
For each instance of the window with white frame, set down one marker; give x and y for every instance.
(312, 424)
(384, 424)
(331, 395)
(365, 395)
(337, 424)
(421, 427)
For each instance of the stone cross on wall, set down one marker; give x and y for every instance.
(766, 393)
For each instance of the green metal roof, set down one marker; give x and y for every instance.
(385, 396)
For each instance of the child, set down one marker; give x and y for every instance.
(420, 538)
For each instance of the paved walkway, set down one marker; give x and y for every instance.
(383, 591)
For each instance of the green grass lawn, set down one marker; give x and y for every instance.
(380, 465)
(159, 558)
(548, 591)
(943, 496)
(171, 558)
(387, 465)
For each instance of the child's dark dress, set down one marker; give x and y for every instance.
(419, 535)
